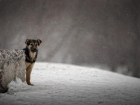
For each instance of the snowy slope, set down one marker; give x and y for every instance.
(57, 84)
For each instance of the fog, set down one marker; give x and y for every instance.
(103, 33)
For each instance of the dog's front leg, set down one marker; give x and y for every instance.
(28, 73)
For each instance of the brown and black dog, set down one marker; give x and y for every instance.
(31, 52)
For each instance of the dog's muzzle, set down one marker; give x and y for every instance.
(34, 50)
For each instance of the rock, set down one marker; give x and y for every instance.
(12, 65)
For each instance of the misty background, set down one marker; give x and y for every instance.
(94, 33)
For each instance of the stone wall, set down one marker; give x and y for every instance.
(12, 65)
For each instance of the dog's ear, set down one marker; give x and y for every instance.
(39, 41)
(27, 42)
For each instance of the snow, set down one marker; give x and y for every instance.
(59, 84)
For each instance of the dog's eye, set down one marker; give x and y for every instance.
(31, 44)
(36, 44)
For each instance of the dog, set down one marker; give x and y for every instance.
(31, 52)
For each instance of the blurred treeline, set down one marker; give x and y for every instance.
(81, 32)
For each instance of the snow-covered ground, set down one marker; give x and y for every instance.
(57, 84)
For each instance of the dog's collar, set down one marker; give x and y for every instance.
(28, 60)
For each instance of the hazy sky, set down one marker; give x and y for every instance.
(83, 32)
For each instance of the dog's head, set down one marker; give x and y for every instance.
(32, 45)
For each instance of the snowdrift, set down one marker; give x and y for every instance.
(57, 84)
